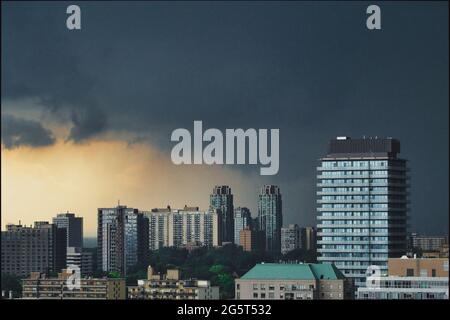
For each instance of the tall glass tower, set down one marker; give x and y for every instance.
(270, 217)
(362, 196)
(222, 199)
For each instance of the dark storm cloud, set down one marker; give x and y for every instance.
(20, 132)
(312, 70)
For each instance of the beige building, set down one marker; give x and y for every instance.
(169, 286)
(251, 240)
(39, 286)
(276, 281)
(184, 227)
(418, 267)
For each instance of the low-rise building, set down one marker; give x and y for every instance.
(169, 286)
(39, 286)
(409, 278)
(304, 281)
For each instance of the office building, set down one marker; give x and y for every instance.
(362, 192)
(222, 200)
(424, 243)
(73, 226)
(242, 220)
(170, 286)
(270, 217)
(275, 281)
(252, 240)
(292, 238)
(185, 227)
(81, 259)
(122, 239)
(41, 248)
(39, 286)
(409, 278)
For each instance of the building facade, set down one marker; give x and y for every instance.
(409, 278)
(41, 248)
(221, 200)
(122, 239)
(275, 281)
(427, 243)
(242, 220)
(270, 217)
(171, 287)
(310, 238)
(252, 240)
(81, 259)
(183, 227)
(73, 226)
(39, 286)
(292, 238)
(362, 191)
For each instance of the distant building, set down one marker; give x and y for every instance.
(41, 248)
(409, 278)
(171, 287)
(242, 220)
(362, 191)
(39, 286)
(270, 217)
(428, 243)
(275, 281)
(74, 227)
(310, 238)
(82, 259)
(292, 238)
(221, 200)
(122, 239)
(252, 240)
(187, 227)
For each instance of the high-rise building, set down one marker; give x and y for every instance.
(292, 238)
(74, 227)
(183, 227)
(310, 238)
(41, 248)
(427, 243)
(252, 240)
(122, 239)
(81, 259)
(222, 199)
(362, 192)
(242, 220)
(270, 217)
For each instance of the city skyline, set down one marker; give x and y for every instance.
(86, 120)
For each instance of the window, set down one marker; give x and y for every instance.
(410, 272)
(255, 295)
(238, 286)
(423, 272)
(433, 272)
(271, 295)
(263, 295)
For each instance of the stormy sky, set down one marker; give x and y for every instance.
(138, 70)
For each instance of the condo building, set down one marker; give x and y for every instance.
(242, 220)
(183, 227)
(292, 238)
(221, 200)
(41, 248)
(170, 286)
(270, 217)
(285, 281)
(39, 286)
(310, 238)
(428, 243)
(362, 196)
(122, 239)
(81, 259)
(252, 240)
(74, 227)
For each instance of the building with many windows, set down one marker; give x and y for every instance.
(424, 243)
(122, 239)
(74, 227)
(252, 240)
(285, 281)
(362, 196)
(221, 200)
(409, 278)
(183, 227)
(170, 286)
(270, 217)
(39, 286)
(41, 248)
(292, 237)
(81, 259)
